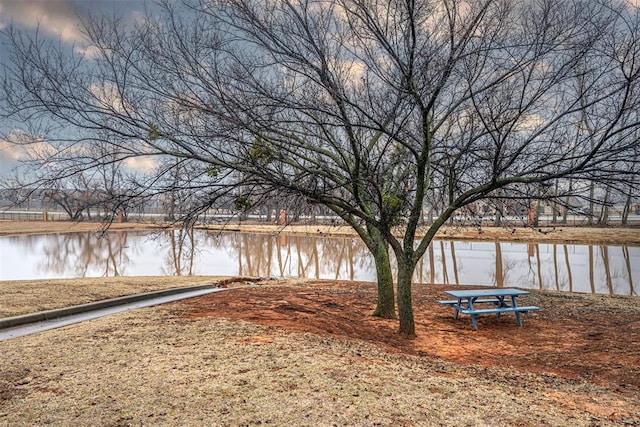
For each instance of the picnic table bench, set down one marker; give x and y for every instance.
(501, 300)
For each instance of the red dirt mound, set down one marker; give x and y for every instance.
(574, 336)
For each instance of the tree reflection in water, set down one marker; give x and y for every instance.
(180, 257)
(578, 268)
(264, 255)
(74, 254)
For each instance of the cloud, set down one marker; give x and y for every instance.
(9, 151)
(21, 145)
(530, 122)
(54, 17)
(144, 163)
(63, 18)
(87, 51)
(108, 96)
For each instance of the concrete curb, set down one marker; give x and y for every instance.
(9, 322)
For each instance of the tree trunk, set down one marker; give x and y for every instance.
(555, 204)
(604, 213)
(385, 306)
(405, 305)
(498, 220)
(565, 213)
(267, 216)
(626, 209)
(592, 191)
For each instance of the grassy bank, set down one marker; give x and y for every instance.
(29, 296)
(154, 367)
(558, 234)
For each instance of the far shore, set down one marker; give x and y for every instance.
(629, 236)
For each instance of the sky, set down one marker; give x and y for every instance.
(58, 20)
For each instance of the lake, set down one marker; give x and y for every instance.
(563, 267)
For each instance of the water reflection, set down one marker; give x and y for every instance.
(577, 268)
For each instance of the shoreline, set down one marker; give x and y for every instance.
(629, 236)
(19, 297)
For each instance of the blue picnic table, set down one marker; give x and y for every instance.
(473, 302)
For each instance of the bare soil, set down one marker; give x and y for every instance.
(574, 336)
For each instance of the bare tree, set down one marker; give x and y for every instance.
(374, 109)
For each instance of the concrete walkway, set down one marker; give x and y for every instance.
(13, 327)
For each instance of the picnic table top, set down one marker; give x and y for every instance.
(472, 293)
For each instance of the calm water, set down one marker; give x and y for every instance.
(578, 268)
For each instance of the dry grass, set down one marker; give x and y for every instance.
(154, 367)
(29, 296)
(563, 234)
(8, 228)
